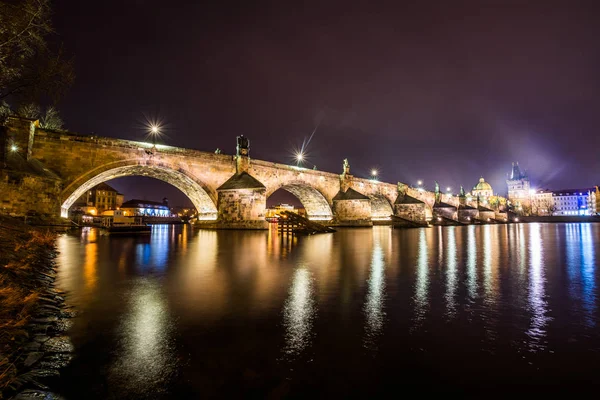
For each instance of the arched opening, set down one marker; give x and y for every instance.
(381, 209)
(191, 188)
(303, 196)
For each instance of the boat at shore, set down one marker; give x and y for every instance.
(119, 224)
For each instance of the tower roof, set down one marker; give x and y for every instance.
(516, 171)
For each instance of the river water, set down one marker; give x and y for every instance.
(477, 310)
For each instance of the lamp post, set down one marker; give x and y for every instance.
(154, 132)
(374, 174)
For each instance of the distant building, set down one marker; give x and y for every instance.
(146, 208)
(542, 202)
(273, 213)
(518, 188)
(575, 201)
(483, 190)
(98, 199)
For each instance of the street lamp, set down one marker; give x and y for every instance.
(299, 158)
(154, 131)
(14, 148)
(374, 173)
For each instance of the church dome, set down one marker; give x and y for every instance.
(483, 185)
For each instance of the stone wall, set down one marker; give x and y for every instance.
(446, 212)
(242, 209)
(18, 196)
(412, 212)
(352, 212)
(485, 215)
(467, 215)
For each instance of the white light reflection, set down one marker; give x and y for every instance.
(487, 265)
(588, 278)
(148, 359)
(451, 273)
(471, 264)
(298, 312)
(375, 292)
(422, 281)
(536, 299)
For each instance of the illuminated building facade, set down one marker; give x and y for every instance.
(519, 188)
(575, 201)
(99, 199)
(146, 208)
(542, 202)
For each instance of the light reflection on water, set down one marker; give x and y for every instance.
(537, 296)
(422, 279)
(375, 297)
(451, 279)
(195, 312)
(145, 345)
(472, 263)
(299, 312)
(582, 269)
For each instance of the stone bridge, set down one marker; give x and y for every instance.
(229, 190)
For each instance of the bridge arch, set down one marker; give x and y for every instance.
(381, 208)
(198, 193)
(316, 205)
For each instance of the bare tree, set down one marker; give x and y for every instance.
(28, 67)
(49, 119)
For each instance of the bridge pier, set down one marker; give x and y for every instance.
(242, 199)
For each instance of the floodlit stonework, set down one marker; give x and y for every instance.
(230, 190)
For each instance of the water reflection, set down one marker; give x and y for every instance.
(146, 359)
(537, 302)
(451, 273)
(471, 263)
(375, 292)
(581, 264)
(299, 312)
(588, 277)
(422, 280)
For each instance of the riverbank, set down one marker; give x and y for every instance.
(33, 315)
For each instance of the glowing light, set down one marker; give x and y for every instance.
(154, 129)
(299, 157)
(516, 219)
(299, 312)
(14, 148)
(419, 182)
(374, 173)
(448, 189)
(439, 218)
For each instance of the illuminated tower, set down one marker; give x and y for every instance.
(518, 187)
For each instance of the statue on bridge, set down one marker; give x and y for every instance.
(437, 192)
(243, 145)
(346, 167)
(402, 189)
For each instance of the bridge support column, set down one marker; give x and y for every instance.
(351, 208)
(242, 208)
(242, 199)
(408, 210)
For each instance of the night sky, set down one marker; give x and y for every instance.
(442, 90)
